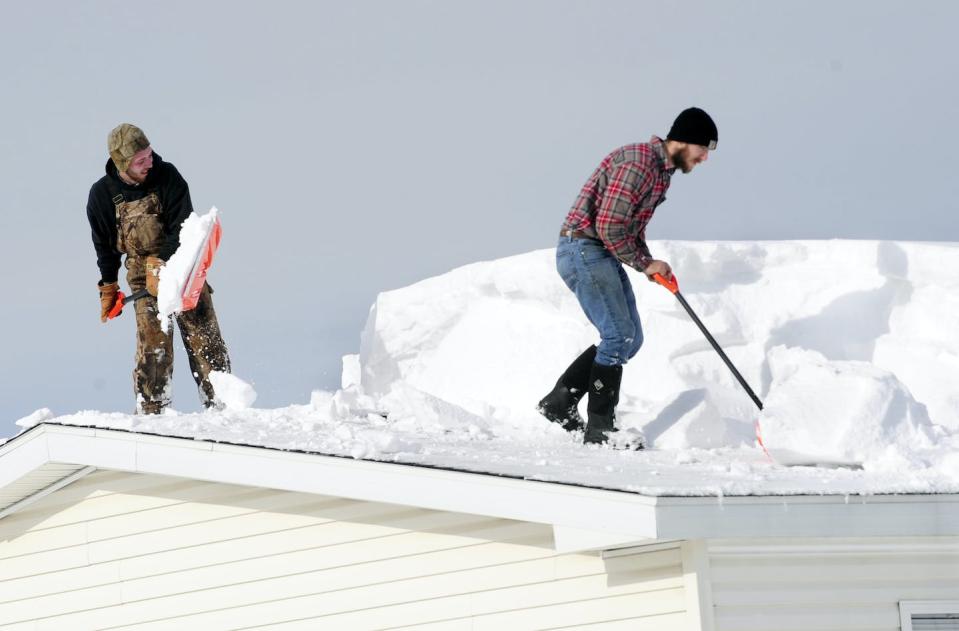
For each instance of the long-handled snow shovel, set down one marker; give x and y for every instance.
(673, 286)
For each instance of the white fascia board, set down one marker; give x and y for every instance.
(833, 547)
(21, 456)
(409, 485)
(103, 449)
(808, 516)
(423, 487)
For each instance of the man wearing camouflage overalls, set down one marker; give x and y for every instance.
(137, 209)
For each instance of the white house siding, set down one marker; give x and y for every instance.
(126, 551)
(828, 584)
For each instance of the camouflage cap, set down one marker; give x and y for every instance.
(124, 141)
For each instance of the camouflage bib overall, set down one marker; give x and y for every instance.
(139, 235)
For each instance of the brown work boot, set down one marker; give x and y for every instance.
(150, 407)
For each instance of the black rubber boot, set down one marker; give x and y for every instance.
(603, 396)
(560, 405)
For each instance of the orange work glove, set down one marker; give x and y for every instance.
(108, 296)
(153, 265)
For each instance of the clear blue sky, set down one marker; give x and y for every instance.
(355, 147)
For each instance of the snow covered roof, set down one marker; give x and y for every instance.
(582, 517)
(853, 346)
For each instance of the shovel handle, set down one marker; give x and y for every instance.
(671, 285)
(123, 300)
(140, 293)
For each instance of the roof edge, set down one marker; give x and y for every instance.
(621, 515)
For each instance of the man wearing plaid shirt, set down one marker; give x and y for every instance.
(605, 229)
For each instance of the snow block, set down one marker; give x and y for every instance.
(839, 411)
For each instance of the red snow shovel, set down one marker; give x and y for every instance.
(673, 286)
(204, 259)
(194, 282)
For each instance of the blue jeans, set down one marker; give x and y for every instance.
(605, 294)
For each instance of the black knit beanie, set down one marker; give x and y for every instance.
(694, 126)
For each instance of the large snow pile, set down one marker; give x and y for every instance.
(853, 345)
(865, 335)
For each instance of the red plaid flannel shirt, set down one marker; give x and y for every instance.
(620, 198)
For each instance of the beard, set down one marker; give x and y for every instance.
(682, 161)
(139, 178)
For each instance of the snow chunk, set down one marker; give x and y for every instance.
(430, 415)
(351, 371)
(842, 411)
(231, 391)
(35, 418)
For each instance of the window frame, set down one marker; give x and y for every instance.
(908, 608)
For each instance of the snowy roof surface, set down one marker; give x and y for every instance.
(688, 472)
(853, 346)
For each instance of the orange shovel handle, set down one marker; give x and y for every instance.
(671, 285)
(122, 300)
(117, 308)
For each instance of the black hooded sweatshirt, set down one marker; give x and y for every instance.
(174, 196)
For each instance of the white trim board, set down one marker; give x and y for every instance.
(595, 518)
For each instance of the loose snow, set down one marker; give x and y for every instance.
(853, 345)
(39, 416)
(231, 392)
(175, 274)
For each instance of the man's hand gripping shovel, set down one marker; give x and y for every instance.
(123, 300)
